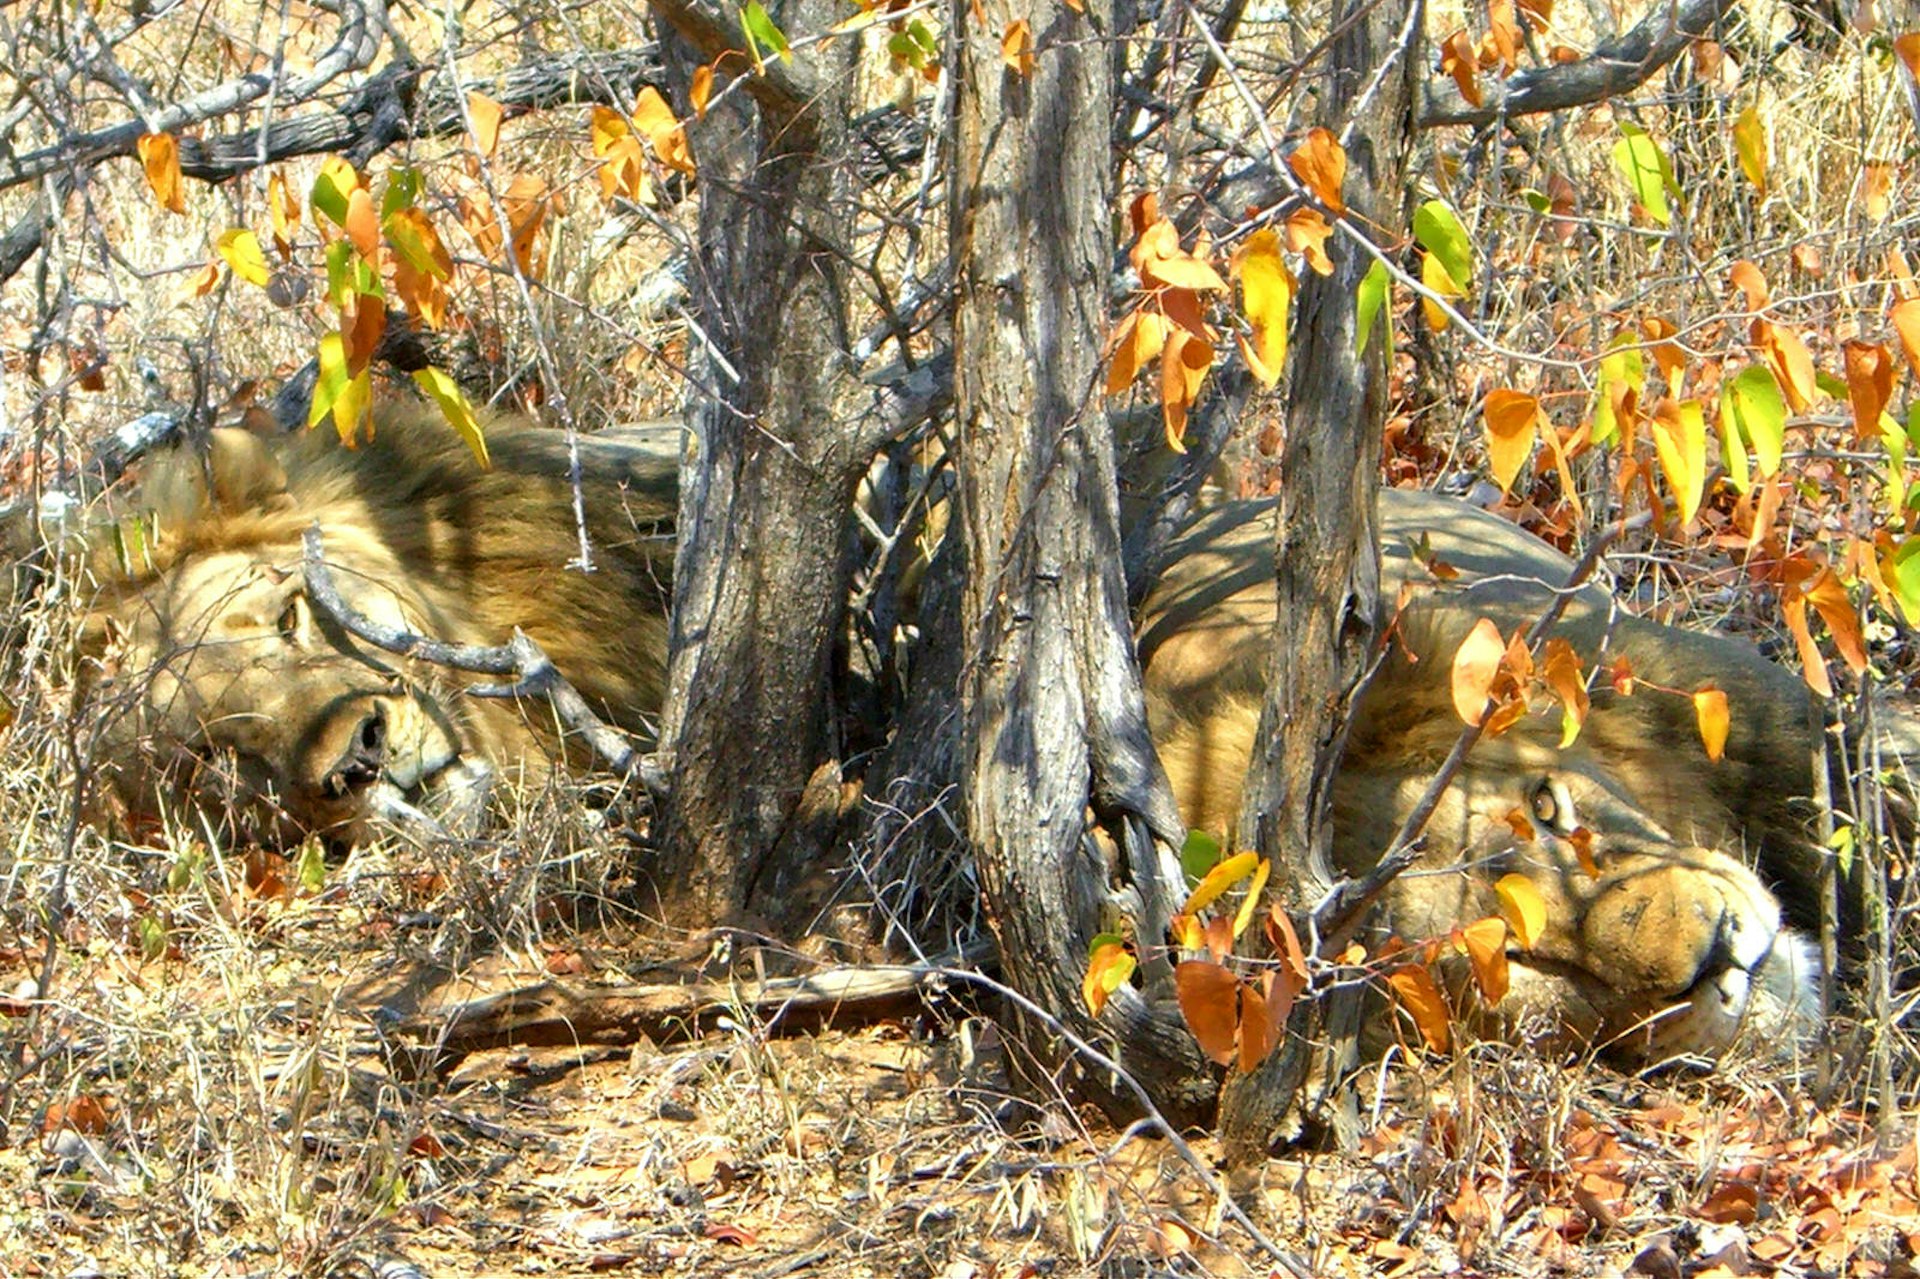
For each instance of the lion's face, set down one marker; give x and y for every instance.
(249, 707)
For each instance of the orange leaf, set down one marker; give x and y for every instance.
(1184, 362)
(1505, 34)
(1582, 840)
(1829, 598)
(1869, 385)
(1747, 278)
(486, 115)
(1016, 47)
(1209, 999)
(160, 156)
(1522, 908)
(654, 118)
(1666, 353)
(1876, 186)
(1564, 675)
(608, 129)
(1306, 234)
(1286, 944)
(1907, 48)
(1906, 322)
(362, 223)
(1137, 342)
(1511, 418)
(1413, 986)
(1457, 59)
(1475, 665)
(285, 210)
(1790, 361)
(1109, 968)
(1813, 666)
(1259, 1029)
(1321, 166)
(1710, 709)
(1486, 943)
(700, 90)
(201, 282)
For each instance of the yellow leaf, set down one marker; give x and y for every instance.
(453, 402)
(1476, 663)
(353, 410)
(1109, 967)
(1564, 675)
(1522, 908)
(1321, 165)
(242, 253)
(1750, 145)
(1244, 915)
(1266, 294)
(160, 157)
(1486, 943)
(285, 209)
(1434, 276)
(1511, 419)
(1710, 709)
(1227, 872)
(486, 115)
(411, 232)
(1413, 986)
(1680, 439)
(607, 129)
(1016, 47)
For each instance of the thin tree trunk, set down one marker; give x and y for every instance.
(763, 571)
(1051, 704)
(1327, 551)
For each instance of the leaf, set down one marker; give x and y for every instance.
(1623, 375)
(1813, 666)
(761, 35)
(1486, 943)
(411, 233)
(487, 116)
(1829, 598)
(1433, 274)
(331, 187)
(1750, 145)
(1752, 403)
(607, 128)
(1511, 419)
(1869, 385)
(1438, 231)
(403, 192)
(242, 253)
(201, 282)
(331, 380)
(1321, 165)
(1680, 439)
(1162, 263)
(1790, 361)
(1266, 296)
(1901, 572)
(160, 157)
(1306, 233)
(1522, 908)
(1016, 47)
(1648, 172)
(1244, 915)
(1458, 59)
(285, 211)
(1414, 987)
(1710, 709)
(1183, 368)
(1752, 284)
(654, 118)
(446, 392)
(1110, 965)
(1259, 1030)
(1906, 322)
(1564, 674)
(362, 224)
(1209, 999)
(1198, 855)
(1476, 663)
(1370, 301)
(700, 90)
(1224, 875)
(1136, 344)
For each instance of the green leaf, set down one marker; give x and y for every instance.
(459, 413)
(1752, 402)
(328, 196)
(1901, 570)
(1648, 172)
(311, 869)
(1439, 232)
(1370, 300)
(333, 378)
(403, 189)
(1536, 200)
(1841, 842)
(1198, 855)
(762, 35)
(153, 938)
(1623, 365)
(1895, 440)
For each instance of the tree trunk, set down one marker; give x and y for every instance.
(1051, 705)
(1327, 552)
(762, 576)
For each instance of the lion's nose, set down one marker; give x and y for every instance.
(359, 765)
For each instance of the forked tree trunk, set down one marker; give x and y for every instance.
(1051, 705)
(1327, 552)
(762, 575)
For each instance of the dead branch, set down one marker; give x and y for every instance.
(1618, 66)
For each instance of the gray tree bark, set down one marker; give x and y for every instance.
(1051, 707)
(1327, 552)
(762, 576)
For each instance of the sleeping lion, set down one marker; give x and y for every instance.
(242, 706)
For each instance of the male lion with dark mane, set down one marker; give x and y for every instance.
(241, 702)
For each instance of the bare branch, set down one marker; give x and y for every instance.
(1618, 66)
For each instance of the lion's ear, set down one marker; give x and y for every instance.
(246, 475)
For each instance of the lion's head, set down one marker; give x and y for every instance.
(1660, 940)
(234, 700)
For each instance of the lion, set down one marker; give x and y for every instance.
(1668, 943)
(234, 700)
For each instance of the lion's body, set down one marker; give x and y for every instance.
(239, 679)
(1674, 916)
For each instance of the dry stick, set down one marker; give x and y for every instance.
(533, 671)
(1337, 913)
